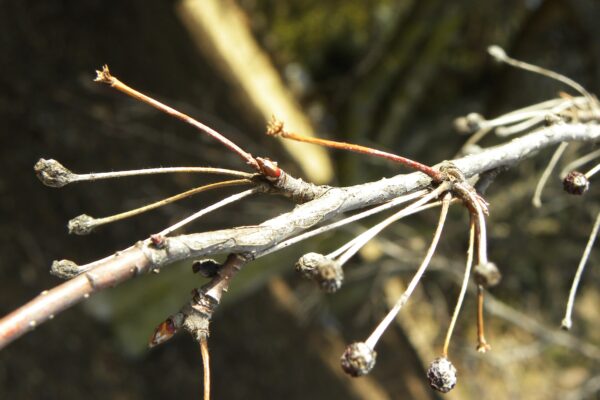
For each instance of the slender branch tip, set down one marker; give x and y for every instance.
(104, 75)
(497, 53)
(52, 173)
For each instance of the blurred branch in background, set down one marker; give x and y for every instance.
(220, 30)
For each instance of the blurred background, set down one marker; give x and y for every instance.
(390, 74)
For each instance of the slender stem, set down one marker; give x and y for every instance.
(207, 210)
(567, 321)
(386, 206)
(500, 55)
(374, 337)
(480, 229)
(538, 118)
(434, 174)
(127, 214)
(463, 290)
(482, 344)
(409, 212)
(369, 234)
(504, 131)
(592, 171)
(152, 171)
(105, 77)
(575, 164)
(537, 195)
(205, 367)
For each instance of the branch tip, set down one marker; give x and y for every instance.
(82, 225)
(52, 173)
(497, 53)
(275, 127)
(104, 75)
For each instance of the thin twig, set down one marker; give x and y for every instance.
(374, 337)
(276, 129)
(207, 210)
(575, 164)
(567, 322)
(369, 234)
(463, 290)
(94, 176)
(205, 367)
(482, 344)
(104, 76)
(537, 195)
(96, 222)
(592, 171)
(500, 55)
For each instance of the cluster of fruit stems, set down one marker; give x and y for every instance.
(520, 120)
(343, 254)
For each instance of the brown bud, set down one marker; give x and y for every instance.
(163, 332)
(576, 183)
(442, 375)
(487, 275)
(358, 359)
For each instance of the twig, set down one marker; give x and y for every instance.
(346, 253)
(482, 345)
(575, 164)
(104, 76)
(331, 203)
(592, 171)
(537, 195)
(209, 209)
(84, 224)
(567, 322)
(276, 129)
(500, 55)
(54, 174)
(374, 337)
(463, 290)
(205, 367)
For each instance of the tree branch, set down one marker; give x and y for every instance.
(329, 203)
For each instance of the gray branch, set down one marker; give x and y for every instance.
(144, 256)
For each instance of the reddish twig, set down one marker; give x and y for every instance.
(276, 129)
(104, 76)
(110, 272)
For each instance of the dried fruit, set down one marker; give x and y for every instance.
(358, 359)
(442, 375)
(576, 183)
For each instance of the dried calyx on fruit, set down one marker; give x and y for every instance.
(358, 359)
(442, 375)
(327, 272)
(576, 183)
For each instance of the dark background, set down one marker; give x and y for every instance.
(383, 73)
